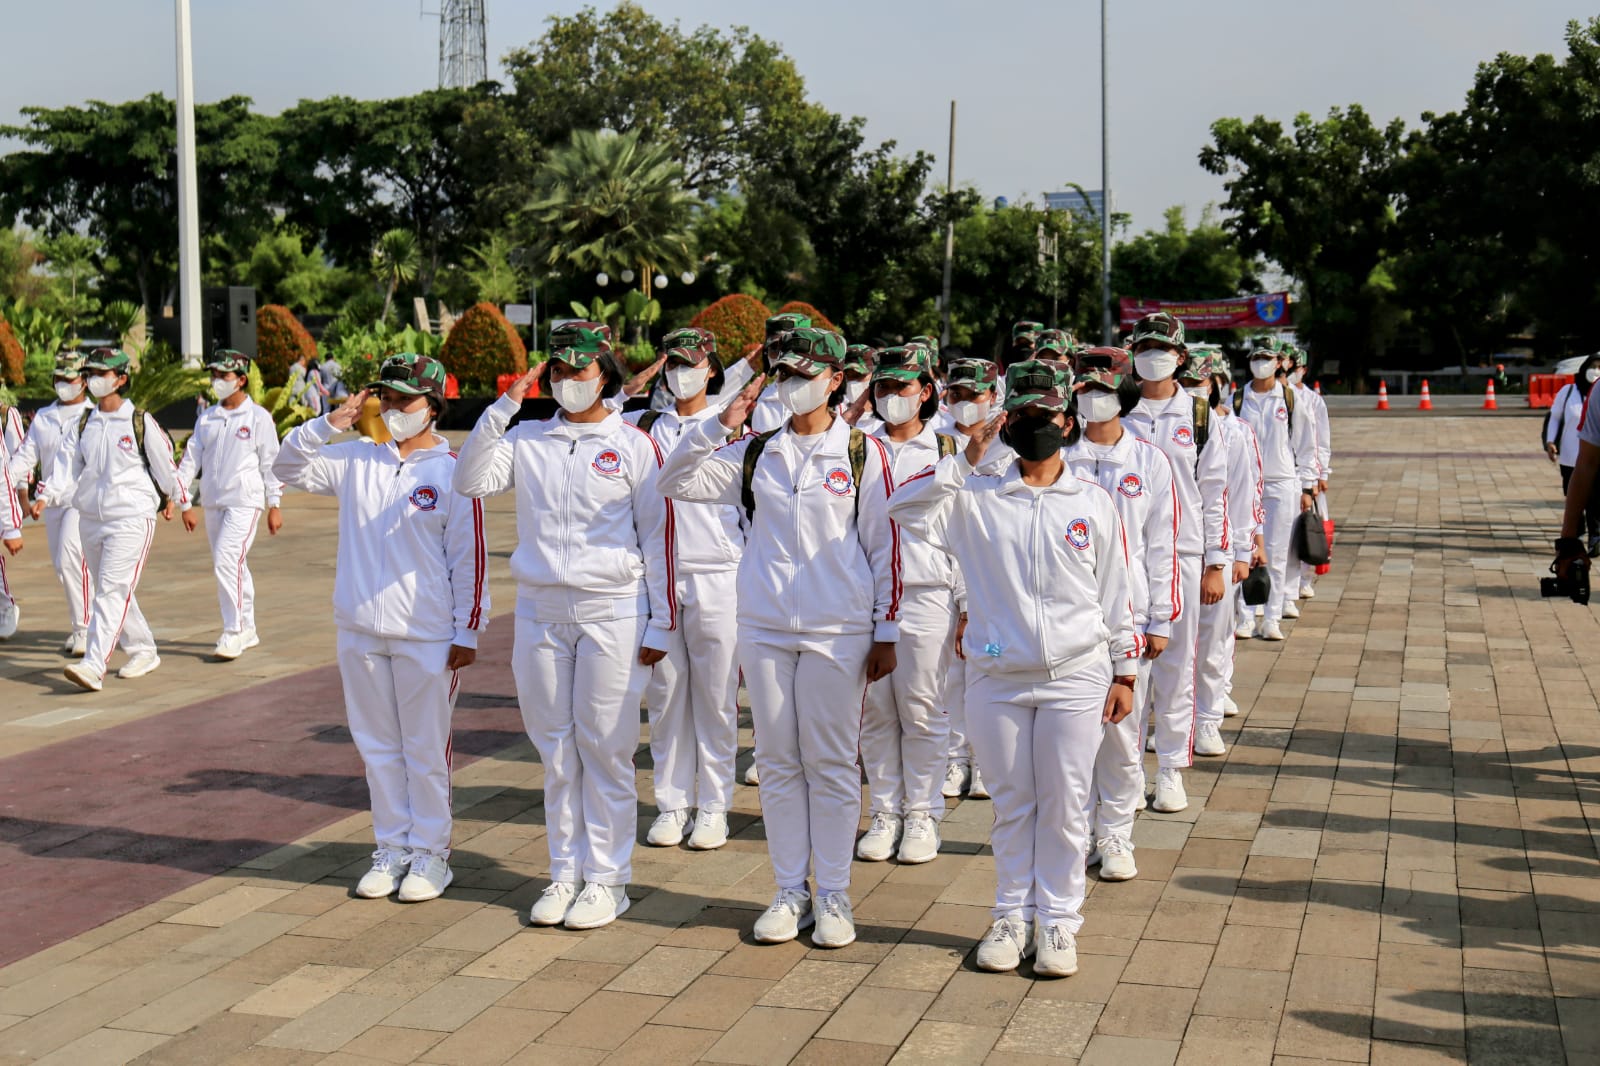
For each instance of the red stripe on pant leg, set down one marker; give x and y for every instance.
(86, 598)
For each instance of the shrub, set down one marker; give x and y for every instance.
(483, 345)
(818, 319)
(280, 341)
(738, 321)
(11, 356)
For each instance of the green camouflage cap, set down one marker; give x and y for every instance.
(904, 363)
(412, 374)
(1103, 366)
(787, 322)
(580, 347)
(108, 359)
(809, 351)
(1201, 365)
(1023, 328)
(1038, 383)
(1054, 341)
(226, 360)
(1166, 330)
(979, 375)
(562, 336)
(860, 359)
(922, 340)
(1301, 356)
(69, 364)
(687, 357)
(691, 337)
(1265, 352)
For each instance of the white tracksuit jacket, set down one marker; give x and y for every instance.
(406, 589)
(10, 507)
(235, 450)
(594, 534)
(1246, 512)
(1202, 483)
(11, 434)
(101, 474)
(710, 537)
(1287, 454)
(1046, 570)
(922, 565)
(1138, 477)
(1311, 400)
(831, 577)
(51, 426)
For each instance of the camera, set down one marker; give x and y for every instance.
(1575, 585)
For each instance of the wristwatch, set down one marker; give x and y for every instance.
(1124, 679)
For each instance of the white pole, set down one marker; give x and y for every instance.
(949, 234)
(188, 202)
(1106, 334)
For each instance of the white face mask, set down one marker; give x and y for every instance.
(576, 397)
(67, 391)
(1591, 375)
(403, 425)
(102, 385)
(897, 410)
(1156, 364)
(1098, 405)
(687, 381)
(222, 388)
(1262, 369)
(1199, 392)
(969, 412)
(1297, 375)
(804, 395)
(853, 390)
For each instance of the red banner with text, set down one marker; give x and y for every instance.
(1265, 311)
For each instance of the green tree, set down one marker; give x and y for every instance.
(71, 261)
(495, 275)
(395, 260)
(18, 256)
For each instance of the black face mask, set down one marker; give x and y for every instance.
(1033, 438)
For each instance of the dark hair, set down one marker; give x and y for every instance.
(1072, 435)
(439, 407)
(1128, 393)
(1581, 383)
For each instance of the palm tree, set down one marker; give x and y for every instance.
(603, 202)
(395, 261)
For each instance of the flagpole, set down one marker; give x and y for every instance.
(188, 202)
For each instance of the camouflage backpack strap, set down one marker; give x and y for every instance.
(648, 419)
(752, 455)
(1288, 405)
(83, 420)
(947, 445)
(1202, 425)
(1238, 400)
(144, 457)
(858, 462)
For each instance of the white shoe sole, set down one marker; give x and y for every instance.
(83, 680)
(427, 893)
(817, 941)
(395, 887)
(622, 908)
(127, 676)
(1039, 971)
(1168, 810)
(805, 921)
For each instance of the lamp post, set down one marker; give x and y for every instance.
(1105, 183)
(188, 204)
(949, 233)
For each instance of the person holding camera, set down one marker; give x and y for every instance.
(1561, 440)
(1571, 566)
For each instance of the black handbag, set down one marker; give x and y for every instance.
(1311, 539)
(1257, 586)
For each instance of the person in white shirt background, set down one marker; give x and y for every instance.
(1302, 575)
(596, 609)
(905, 723)
(233, 447)
(51, 425)
(1052, 653)
(819, 590)
(110, 468)
(410, 597)
(11, 539)
(1561, 439)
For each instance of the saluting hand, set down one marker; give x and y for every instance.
(858, 407)
(738, 412)
(519, 388)
(636, 384)
(344, 416)
(978, 443)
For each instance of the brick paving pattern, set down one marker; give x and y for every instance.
(1395, 863)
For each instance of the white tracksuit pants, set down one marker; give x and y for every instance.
(1281, 501)
(693, 697)
(115, 552)
(1214, 664)
(579, 685)
(232, 530)
(956, 746)
(1168, 706)
(1038, 744)
(1119, 772)
(805, 698)
(66, 557)
(399, 698)
(904, 727)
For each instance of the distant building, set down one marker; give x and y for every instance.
(1073, 201)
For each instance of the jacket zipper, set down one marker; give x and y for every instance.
(1038, 583)
(566, 513)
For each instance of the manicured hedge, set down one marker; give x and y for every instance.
(280, 341)
(818, 319)
(482, 345)
(738, 321)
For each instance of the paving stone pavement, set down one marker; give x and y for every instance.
(1395, 863)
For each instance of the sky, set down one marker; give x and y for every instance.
(1025, 73)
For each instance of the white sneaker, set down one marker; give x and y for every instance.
(1116, 859)
(1291, 609)
(955, 779)
(920, 841)
(83, 677)
(10, 619)
(752, 776)
(1150, 739)
(790, 912)
(140, 665)
(1208, 739)
(430, 875)
(1271, 631)
(388, 867)
(977, 790)
(230, 646)
(597, 905)
(1058, 951)
(667, 830)
(877, 843)
(1230, 709)
(77, 644)
(1308, 592)
(551, 908)
(250, 638)
(1245, 629)
(1010, 940)
(836, 923)
(1170, 798)
(710, 831)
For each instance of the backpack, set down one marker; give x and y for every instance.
(758, 444)
(1202, 427)
(947, 445)
(138, 445)
(648, 419)
(1288, 403)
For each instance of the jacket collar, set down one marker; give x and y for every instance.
(1011, 482)
(835, 440)
(440, 447)
(560, 427)
(1118, 453)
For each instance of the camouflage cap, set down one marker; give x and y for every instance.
(1025, 327)
(687, 357)
(1103, 366)
(1301, 356)
(1038, 383)
(979, 375)
(1162, 328)
(692, 337)
(922, 340)
(787, 323)
(808, 351)
(1201, 365)
(108, 359)
(904, 363)
(69, 364)
(859, 359)
(579, 347)
(561, 336)
(1056, 342)
(412, 374)
(1264, 352)
(226, 360)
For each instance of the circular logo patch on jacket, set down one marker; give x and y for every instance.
(125, 442)
(1183, 436)
(243, 433)
(607, 462)
(425, 497)
(1078, 533)
(1282, 414)
(838, 481)
(1130, 486)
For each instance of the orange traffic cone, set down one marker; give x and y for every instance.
(1318, 387)
(1488, 398)
(1426, 403)
(1383, 395)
